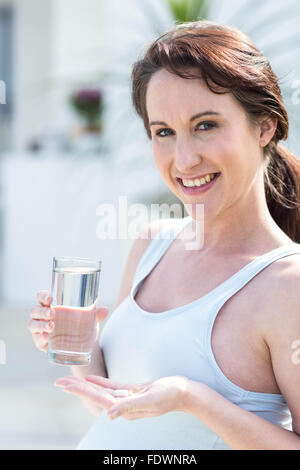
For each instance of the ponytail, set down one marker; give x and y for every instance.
(282, 188)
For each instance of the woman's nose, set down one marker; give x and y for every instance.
(186, 156)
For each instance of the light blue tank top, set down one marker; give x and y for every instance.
(140, 346)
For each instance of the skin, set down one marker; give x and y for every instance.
(226, 143)
(213, 144)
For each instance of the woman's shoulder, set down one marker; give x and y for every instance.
(286, 270)
(284, 274)
(282, 295)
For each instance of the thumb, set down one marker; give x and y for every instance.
(101, 313)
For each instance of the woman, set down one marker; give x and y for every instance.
(202, 340)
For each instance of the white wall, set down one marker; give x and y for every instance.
(32, 35)
(57, 46)
(77, 37)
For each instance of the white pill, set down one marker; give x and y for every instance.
(120, 393)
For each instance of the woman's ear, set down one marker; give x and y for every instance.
(268, 126)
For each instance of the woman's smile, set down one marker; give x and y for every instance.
(197, 186)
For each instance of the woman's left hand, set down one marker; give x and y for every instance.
(143, 400)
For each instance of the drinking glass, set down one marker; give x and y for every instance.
(75, 285)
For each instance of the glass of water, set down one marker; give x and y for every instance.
(75, 285)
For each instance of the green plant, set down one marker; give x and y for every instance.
(189, 10)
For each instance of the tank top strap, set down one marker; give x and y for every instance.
(157, 247)
(244, 275)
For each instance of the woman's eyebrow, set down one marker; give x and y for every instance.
(196, 116)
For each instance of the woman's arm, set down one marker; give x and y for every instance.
(238, 428)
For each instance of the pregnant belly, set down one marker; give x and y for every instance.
(172, 431)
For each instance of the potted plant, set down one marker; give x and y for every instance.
(88, 103)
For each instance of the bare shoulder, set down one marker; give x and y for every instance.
(284, 278)
(282, 330)
(279, 295)
(139, 246)
(282, 286)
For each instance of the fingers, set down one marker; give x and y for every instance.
(44, 298)
(82, 390)
(129, 407)
(80, 387)
(68, 380)
(41, 319)
(104, 382)
(41, 341)
(42, 313)
(71, 380)
(39, 326)
(116, 402)
(101, 313)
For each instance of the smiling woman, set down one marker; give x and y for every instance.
(201, 339)
(226, 61)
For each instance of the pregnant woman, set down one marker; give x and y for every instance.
(200, 350)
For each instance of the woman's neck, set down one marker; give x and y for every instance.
(237, 232)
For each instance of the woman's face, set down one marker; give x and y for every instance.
(189, 146)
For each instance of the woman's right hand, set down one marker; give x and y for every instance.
(41, 322)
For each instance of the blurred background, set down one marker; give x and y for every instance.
(69, 142)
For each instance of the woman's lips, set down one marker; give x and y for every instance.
(198, 189)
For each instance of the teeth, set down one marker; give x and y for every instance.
(198, 182)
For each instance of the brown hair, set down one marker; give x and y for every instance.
(226, 59)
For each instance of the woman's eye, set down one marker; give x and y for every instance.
(210, 125)
(163, 132)
(203, 126)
